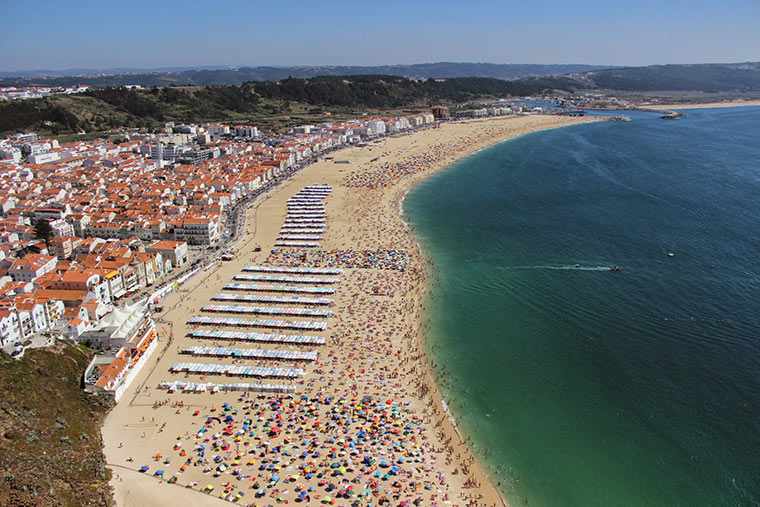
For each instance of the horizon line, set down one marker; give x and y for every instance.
(185, 68)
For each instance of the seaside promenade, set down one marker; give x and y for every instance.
(350, 417)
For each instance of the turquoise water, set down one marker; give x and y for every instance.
(583, 386)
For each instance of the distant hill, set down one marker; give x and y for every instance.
(237, 76)
(738, 77)
(38, 73)
(708, 78)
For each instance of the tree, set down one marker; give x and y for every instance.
(42, 230)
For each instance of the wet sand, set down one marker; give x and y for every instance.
(366, 417)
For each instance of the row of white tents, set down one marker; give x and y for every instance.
(307, 214)
(202, 320)
(297, 244)
(304, 230)
(310, 206)
(287, 300)
(293, 270)
(260, 277)
(236, 370)
(316, 227)
(290, 221)
(288, 355)
(252, 287)
(255, 387)
(268, 310)
(299, 236)
(218, 334)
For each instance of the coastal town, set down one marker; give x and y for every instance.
(266, 254)
(94, 234)
(166, 251)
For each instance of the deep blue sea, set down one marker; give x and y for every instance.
(583, 386)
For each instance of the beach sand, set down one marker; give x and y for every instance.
(730, 103)
(389, 436)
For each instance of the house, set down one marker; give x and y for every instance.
(113, 372)
(75, 328)
(87, 281)
(197, 231)
(62, 247)
(32, 316)
(173, 251)
(10, 331)
(31, 267)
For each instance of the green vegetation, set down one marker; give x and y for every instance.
(50, 431)
(43, 230)
(20, 115)
(709, 78)
(290, 101)
(705, 78)
(216, 77)
(285, 102)
(387, 92)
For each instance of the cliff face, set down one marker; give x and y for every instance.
(50, 431)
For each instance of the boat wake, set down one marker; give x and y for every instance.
(570, 267)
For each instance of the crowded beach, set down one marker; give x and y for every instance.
(297, 374)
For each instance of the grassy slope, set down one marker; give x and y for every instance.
(50, 431)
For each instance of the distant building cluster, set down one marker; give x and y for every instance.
(35, 92)
(483, 112)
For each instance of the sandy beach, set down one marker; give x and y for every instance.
(366, 424)
(731, 103)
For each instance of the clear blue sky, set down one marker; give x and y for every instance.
(165, 33)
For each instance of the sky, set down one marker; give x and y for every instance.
(144, 34)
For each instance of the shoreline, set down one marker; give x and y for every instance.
(491, 495)
(363, 218)
(706, 105)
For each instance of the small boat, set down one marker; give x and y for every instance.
(616, 268)
(576, 265)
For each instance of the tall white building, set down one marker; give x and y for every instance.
(376, 127)
(246, 132)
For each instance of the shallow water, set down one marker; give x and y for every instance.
(587, 386)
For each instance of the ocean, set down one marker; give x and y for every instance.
(584, 386)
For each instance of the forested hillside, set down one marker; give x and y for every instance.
(108, 108)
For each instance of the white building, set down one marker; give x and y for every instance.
(9, 152)
(61, 228)
(164, 152)
(376, 127)
(10, 331)
(173, 251)
(43, 158)
(197, 231)
(217, 131)
(130, 336)
(246, 132)
(32, 317)
(32, 266)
